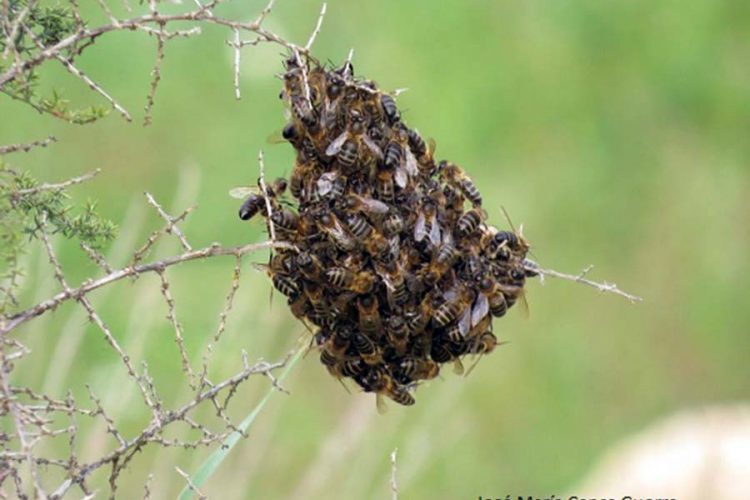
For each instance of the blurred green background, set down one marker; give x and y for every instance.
(616, 132)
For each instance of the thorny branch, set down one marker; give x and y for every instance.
(35, 417)
(21, 62)
(214, 250)
(13, 148)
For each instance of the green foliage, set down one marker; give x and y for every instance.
(28, 208)
(41, 27)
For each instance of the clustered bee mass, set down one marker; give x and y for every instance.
(391, 260)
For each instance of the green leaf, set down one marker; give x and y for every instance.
(212, 463)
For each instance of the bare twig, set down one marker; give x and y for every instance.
(97, 258)
(90, 285)
(262, 182)
(580, 278)
(155, 74)
(171, 222)
(93, 86)
(179, 337)
(237, 49)
(13, 148)
(56, 187)
(318, 25)
(203, 14)
(141, 252)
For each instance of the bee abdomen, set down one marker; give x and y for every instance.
(286, 285)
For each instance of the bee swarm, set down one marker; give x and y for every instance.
(396, 273)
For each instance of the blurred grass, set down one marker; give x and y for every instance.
(616, 132)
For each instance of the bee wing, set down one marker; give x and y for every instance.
(411, 163)
(464, 323)
(335, 146)
(373, 205)
(373, 147)
(340, 235)
(450, 294)
(435, 232)
(448, 238)
(420, 230)
(480, 310)
(401, 177)
(431, 145)
(325, 182)
(395, 245)
(242, 192)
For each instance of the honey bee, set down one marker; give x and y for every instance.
(381, 383)
(393, 155)
(300, 307)
(397, 333)
(359, 227)
(484, 344)
(374, 242)
(443, 260)
(395, 160)
(366, 348)
(298, 138)
(346, 147)
(285, 220)
(309, 264)
(295, 92)
(314, 292)
(442, 353)
(491, 297)
(456, 177)
(255, 202)
(283, 262)
(353, 367)
(360, 282)
(369, 316)
(303, 170)
(472, 268)
(456, 303)
(469, 222)
(458, 331)
(423, 151)
(419, 369)
(331, 185)
(393, 224)
(369, 206)
(339, 341)
(384, 184)
(390, 110)
(393, 278)
(333, 354)
(427, 215)
(329, 224)
(418, 319)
